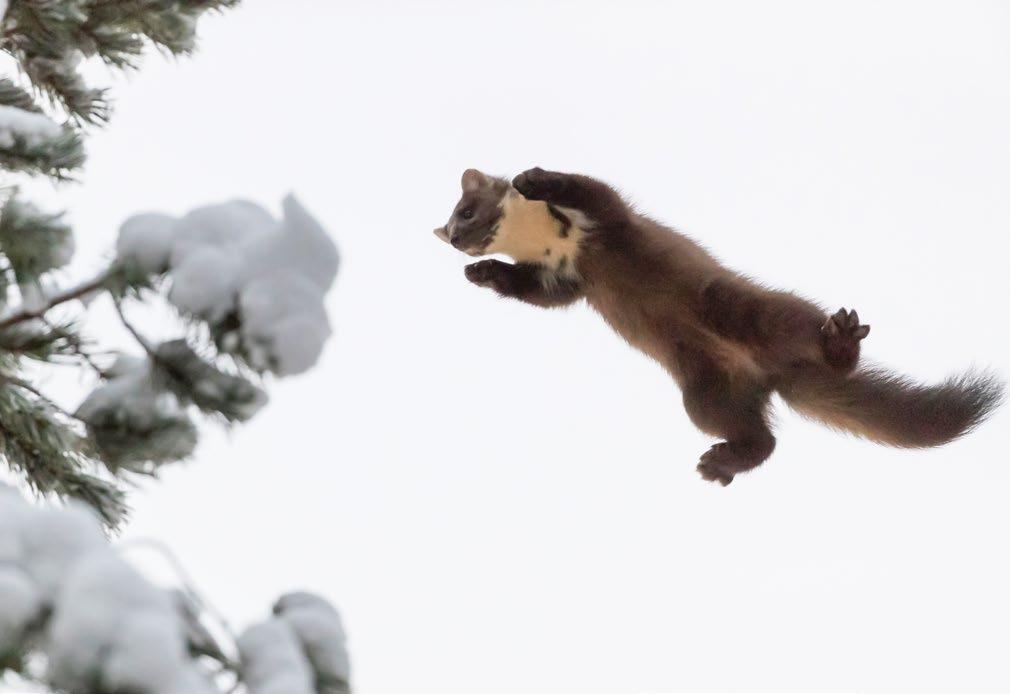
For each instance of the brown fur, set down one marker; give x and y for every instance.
(727, 341)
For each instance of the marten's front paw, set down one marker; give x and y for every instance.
(842, 333)
(483, 273)
(537, 184)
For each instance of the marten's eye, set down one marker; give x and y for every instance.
(468, 214)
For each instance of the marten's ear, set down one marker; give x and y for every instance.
(472, 180)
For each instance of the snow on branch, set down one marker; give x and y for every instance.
(76, 616)
(31, 141)
(257, 281)
(251, 285)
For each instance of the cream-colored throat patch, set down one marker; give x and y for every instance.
(529, 233)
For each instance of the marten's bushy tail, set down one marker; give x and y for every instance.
(895, 410)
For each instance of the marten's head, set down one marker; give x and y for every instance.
(493, 217)
(478, 214)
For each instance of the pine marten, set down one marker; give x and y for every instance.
(728, 341)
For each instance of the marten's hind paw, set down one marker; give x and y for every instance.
(842, 333)
(718, 465)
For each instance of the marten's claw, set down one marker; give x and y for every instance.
(845, 323)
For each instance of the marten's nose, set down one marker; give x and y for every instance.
(457, 241)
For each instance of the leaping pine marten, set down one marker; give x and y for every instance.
(728, 341)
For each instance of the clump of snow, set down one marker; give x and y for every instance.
(190, 680)
(320, 630)
(300, 246)
(20, 598)
(31, 129)
(103, 627)
(20, 603)
(108, 625)
(145, 242)
(133, 420)
(12, 517)
(129, 380)
(206, 283)
(273, 661)
(54, 539)
(284, 325)
(129, 398)
(234, 260)
(226, 226)
(113, 627)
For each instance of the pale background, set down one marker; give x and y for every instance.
(503, 499)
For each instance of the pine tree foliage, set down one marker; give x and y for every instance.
(49, 38)
(248, 288)
(38, 441)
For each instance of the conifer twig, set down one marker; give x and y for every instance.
(133, 331)
(25, 385)
(75, 344)
(68, 295)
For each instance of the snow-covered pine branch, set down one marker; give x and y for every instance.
(33, 142)
(255, 282)
(251, 285)
(258, 282)
(76, 616)
(249, 290)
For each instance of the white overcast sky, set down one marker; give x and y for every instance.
(503, 499)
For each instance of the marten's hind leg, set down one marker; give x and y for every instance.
(735, 409)
(785, 327)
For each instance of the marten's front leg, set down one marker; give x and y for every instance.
(840, 336)
(529, 282)
(595, 199)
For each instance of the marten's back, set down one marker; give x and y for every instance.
(646, 280)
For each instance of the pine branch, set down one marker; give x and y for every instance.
(75, 345)
(54, 157)
(46, 36)
(25, 385)
(51, 456)
(194, 380)
(58, 79)
(40, 342)
(13, 95)
(93, 285)
(40, 34)
(141, 340)
(33, 242)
